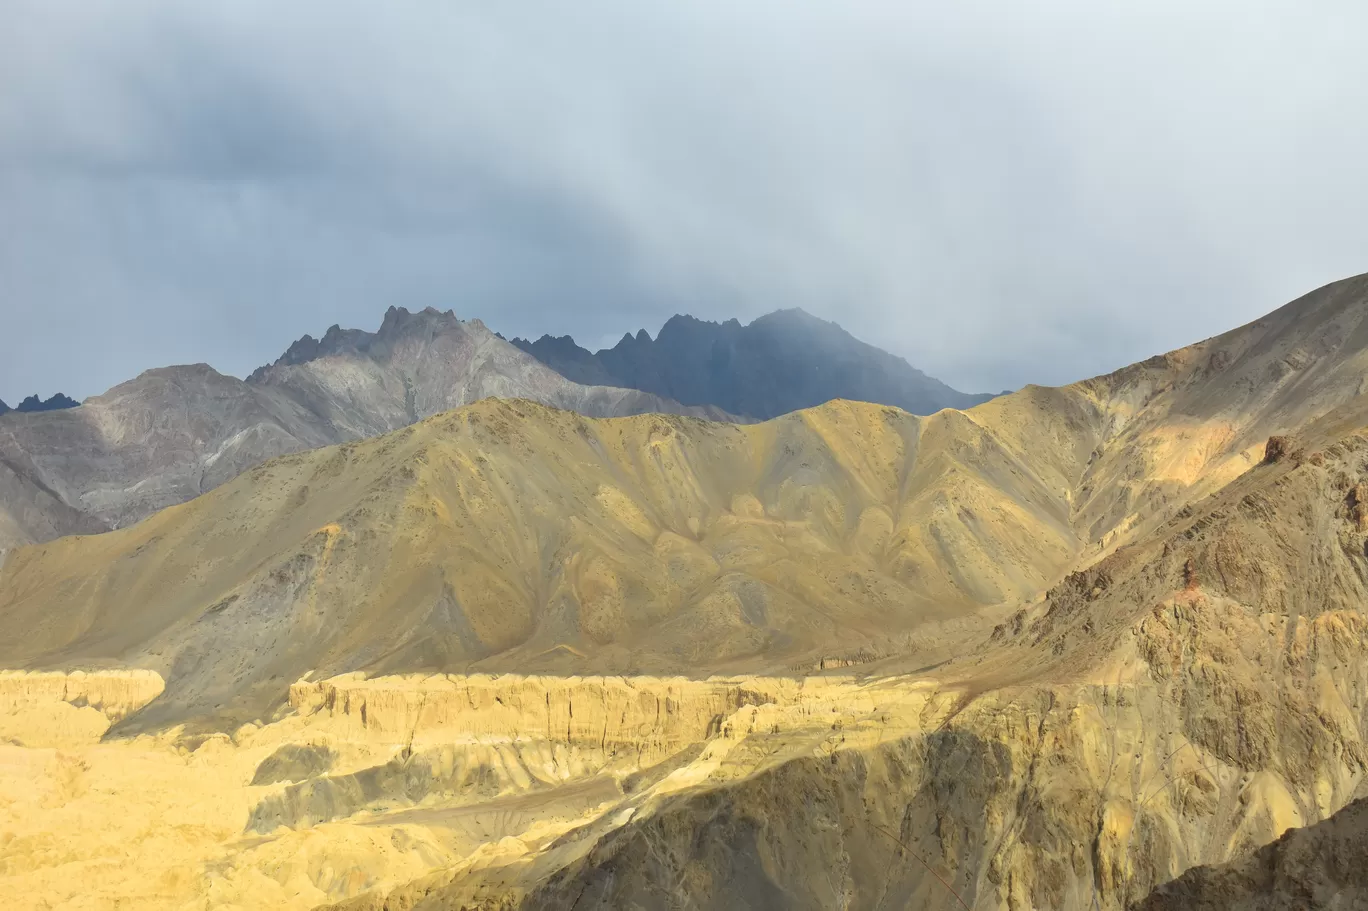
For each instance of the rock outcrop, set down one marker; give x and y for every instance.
(114, 693)
(1318, 868)
(69, 709)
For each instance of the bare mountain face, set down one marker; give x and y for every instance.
(781, 362)
(1320, 866)
(176, 432)
(1050, 652)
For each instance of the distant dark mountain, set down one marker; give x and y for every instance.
(33, 403)
(781, 362)
(3, 407)
(172, 433)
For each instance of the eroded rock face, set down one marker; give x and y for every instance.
(650, 716)
(39, 708)
(294, 762)
(1318, 868)
(115, 693)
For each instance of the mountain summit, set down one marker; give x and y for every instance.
(173, 433)
(33, 403)
(781, 362)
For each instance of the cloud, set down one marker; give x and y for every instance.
(1001, 192)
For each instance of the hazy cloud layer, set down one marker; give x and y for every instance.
(1001, 192)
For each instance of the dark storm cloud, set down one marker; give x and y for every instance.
(1001, 192)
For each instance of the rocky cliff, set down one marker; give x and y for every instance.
(1320, 866)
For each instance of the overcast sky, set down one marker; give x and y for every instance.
(1000, 192)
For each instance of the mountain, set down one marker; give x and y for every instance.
(3, 407)
(651, 543)
(175, 432)
(1050, 652)
(781, 362)
(33, 403)
(1320, 866)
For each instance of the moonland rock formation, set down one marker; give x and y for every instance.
(781, 362)
(176, 432)
(1052, 652)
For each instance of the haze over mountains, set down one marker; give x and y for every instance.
(1049, 652)
(779, 363)
(175, 432)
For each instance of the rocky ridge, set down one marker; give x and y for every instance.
(32, 403)
(175, 432)
(781, 362)
(1320, 866)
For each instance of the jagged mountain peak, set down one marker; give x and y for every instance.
(32, 404)
(780, 362)
(173, 433)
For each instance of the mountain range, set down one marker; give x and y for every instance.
(175, 432)
(33, 403)
(1088, 647)
(781, 362)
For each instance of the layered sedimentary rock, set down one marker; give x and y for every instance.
(650, 716)
(57, 709)
(115, 693)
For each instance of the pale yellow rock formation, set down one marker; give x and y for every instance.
(41, 708)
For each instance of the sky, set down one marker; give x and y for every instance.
(1000, 192)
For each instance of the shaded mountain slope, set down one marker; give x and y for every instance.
(781, 362)
(1182, 702)
(1317, 868)
(175, 432)
(509, 535)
